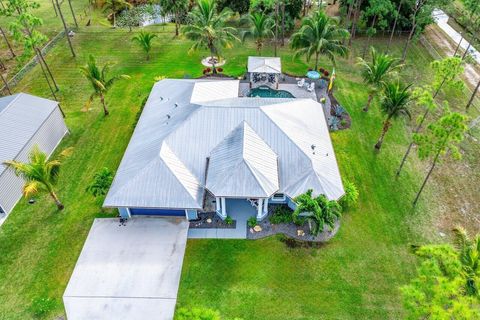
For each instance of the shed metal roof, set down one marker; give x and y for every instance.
(21, 115)
(264, 65)
(294, 130)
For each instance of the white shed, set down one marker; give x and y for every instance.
(25, 121)
(264, 71)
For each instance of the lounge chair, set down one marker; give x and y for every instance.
(311, 87)
(301, 83)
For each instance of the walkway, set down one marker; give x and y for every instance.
(240, 210)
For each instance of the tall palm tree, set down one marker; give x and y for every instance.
(208, 28)
(144, 40)
(114, 6)
(261, 28)
(99, 80)
(319, 35)
(376, 72)
(395, 103)
(39, 173)
(318, 210)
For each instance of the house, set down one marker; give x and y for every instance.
(264, 71)
(198, 143)
(25, 121)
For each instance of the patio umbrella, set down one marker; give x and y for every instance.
(313, 75)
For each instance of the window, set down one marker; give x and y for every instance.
(278, 197)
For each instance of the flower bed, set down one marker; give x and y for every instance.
(210, 220)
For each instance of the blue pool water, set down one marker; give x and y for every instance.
(267, 92)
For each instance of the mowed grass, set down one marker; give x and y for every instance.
(355, 276)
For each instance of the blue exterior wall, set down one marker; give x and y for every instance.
(192, 214)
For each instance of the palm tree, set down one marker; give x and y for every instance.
(144, 39)
(376, 72)
(39, 173)
(102, 180)
(469, 255)
(318, 210)
(320, 35)
(395, 103)
(208, 30)
(261, 28)
(115, 6)
(99, 81)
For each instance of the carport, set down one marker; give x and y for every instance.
(128, 272)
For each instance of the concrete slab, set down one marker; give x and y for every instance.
(128, 272)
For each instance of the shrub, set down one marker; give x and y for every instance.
(343, 122)
(101, 182)
(229, 220)
(42, 306)
(197, 314)
(282, 214)
(351, 194)
(219, 69)
(326, 73)
(338, 110)
(252, 222)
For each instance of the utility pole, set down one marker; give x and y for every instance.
(65, 28)
(473, 95)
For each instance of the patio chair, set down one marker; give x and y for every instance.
(301, 83)
(311, 87)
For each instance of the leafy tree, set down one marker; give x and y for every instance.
(378, 11)
(144, 40)
(177, 8)
(319, 35)
(376, 72)
(469, 253)
(102, 180)
(24, 28)
(395, 103)
(318, 210)
(39, 173)
(438, 291)
(132, 17)
(440, 138)
(208, 28)
(114, 6)
(99, 80)
(240, 6)
(447, 72)
(261, 28)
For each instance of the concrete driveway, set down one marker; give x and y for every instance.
(128, 272)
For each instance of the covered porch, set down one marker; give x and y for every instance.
(240, 209)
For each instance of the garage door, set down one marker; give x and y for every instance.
(157, 212)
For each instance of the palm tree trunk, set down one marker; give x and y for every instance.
(5, 82)
(394, 25)
(8, 43)
(65, 28)
(473, 96)
(283, 24)
(73, 13)
(369, 101)
(176, 23)
(356, 14)
(466, 51)
(426, 178)
(410, 36)
(276, 28)
(365, 49)
(47, 67)
(386, 126)
(60, 206)
(54, 8)
(105, 110)
(45, 75)
(114, 20)
(458, 46)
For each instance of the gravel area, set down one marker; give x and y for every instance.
(210, 220)
(291, 230)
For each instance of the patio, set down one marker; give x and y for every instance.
(240, 210)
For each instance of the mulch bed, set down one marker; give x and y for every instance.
(216, 222)
(291, 230)
(345, 119)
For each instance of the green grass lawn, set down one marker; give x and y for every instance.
(355, 276)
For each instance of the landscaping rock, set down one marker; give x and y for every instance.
(251, 230)
(257, 228)
(209, 220)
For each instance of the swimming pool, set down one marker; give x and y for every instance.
(267, 92)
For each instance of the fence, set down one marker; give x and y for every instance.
(33, 62)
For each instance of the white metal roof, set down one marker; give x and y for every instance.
(185, 133)
(242, 165)
(21, 115)
(264, 65)
(214, 90)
